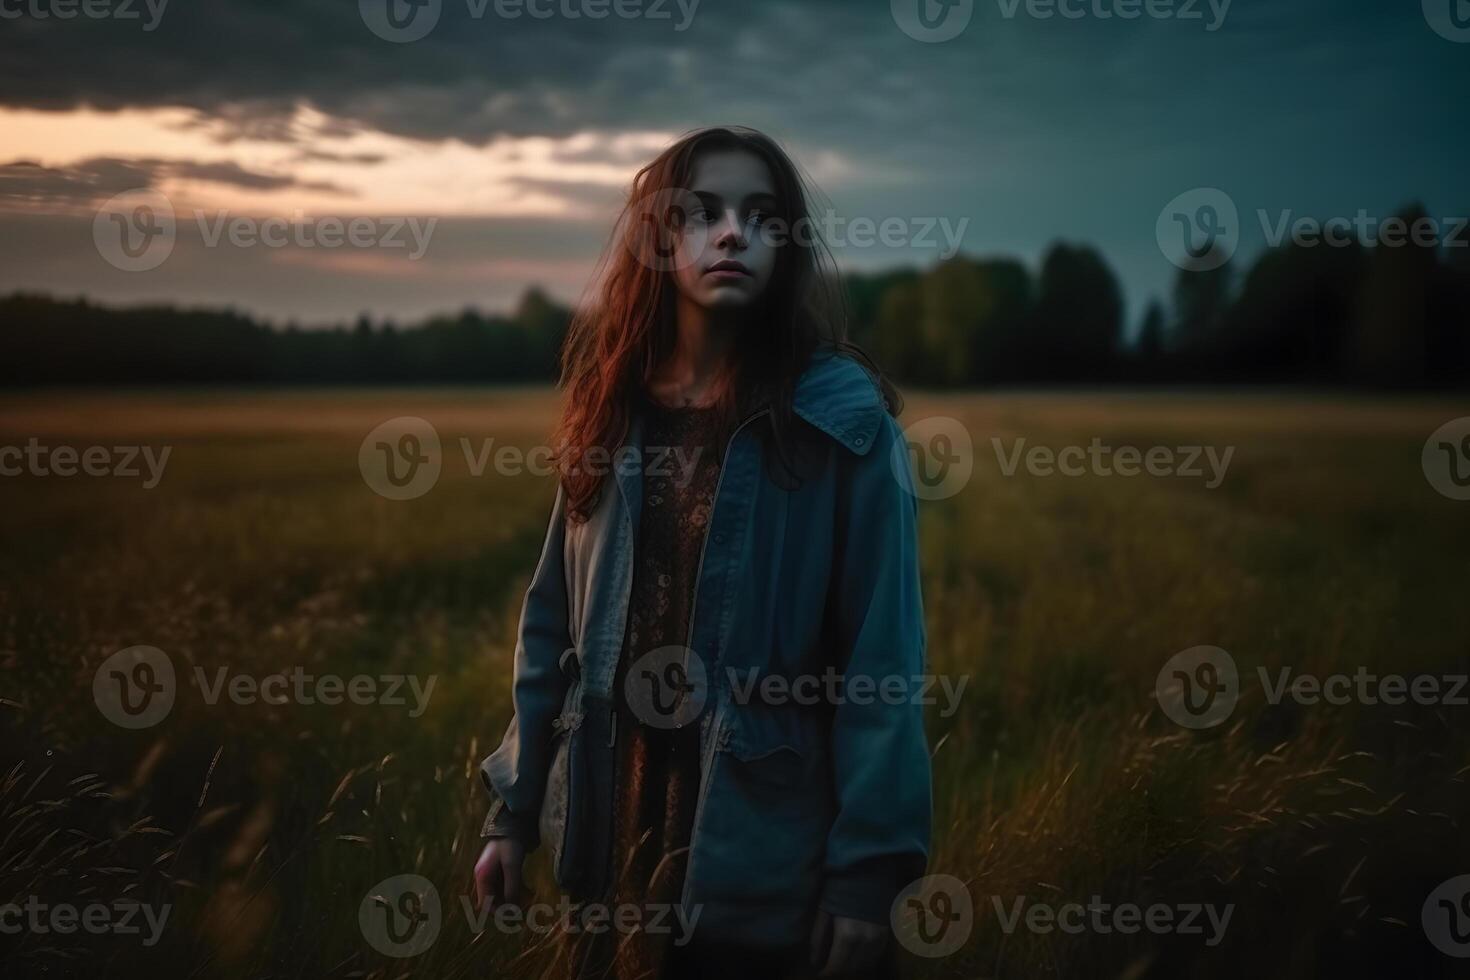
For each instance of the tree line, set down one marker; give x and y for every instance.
(1381, 316)
(52, 342)
(1321, 314)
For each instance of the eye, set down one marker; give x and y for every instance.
(759, 216)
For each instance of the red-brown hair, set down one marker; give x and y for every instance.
(616, 341)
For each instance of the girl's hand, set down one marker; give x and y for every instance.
(498, 872)
(848, 944)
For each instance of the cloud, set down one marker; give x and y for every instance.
(1032, 128)
(27, 184)
(316, 167)
(824, 67)
(324, 156)
(474, 78)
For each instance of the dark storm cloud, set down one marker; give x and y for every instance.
(250, 61)
(89, 181)
(475, 77)
(24, 182)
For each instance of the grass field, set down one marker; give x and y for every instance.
(1059, 599)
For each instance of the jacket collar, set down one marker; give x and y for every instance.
(837, 395)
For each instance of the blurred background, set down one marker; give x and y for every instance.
(243, 244)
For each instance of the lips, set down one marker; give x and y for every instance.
(728, 268)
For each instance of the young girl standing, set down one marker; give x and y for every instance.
(730, 572)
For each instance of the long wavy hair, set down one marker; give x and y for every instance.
(623, 333)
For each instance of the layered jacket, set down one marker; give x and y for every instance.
(811, 794)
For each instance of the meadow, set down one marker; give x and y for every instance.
(1059, 599)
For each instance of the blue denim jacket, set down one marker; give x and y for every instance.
(801, 805)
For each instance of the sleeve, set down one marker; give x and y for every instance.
(879, 841)
(500, 822)
(515, 773)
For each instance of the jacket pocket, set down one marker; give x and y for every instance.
(770, 746)
(765, 823)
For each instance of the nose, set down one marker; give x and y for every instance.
(730, 233)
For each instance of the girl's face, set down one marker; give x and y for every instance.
(724, 260)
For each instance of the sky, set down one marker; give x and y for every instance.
(475, 148)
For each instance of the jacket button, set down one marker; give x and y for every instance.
(859, 440)
(720, 538)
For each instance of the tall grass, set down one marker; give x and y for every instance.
(1057, 599)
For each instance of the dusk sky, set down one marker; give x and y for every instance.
(520, 133)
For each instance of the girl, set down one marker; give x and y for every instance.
(732, 548)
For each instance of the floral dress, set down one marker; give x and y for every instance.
(657, 767)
